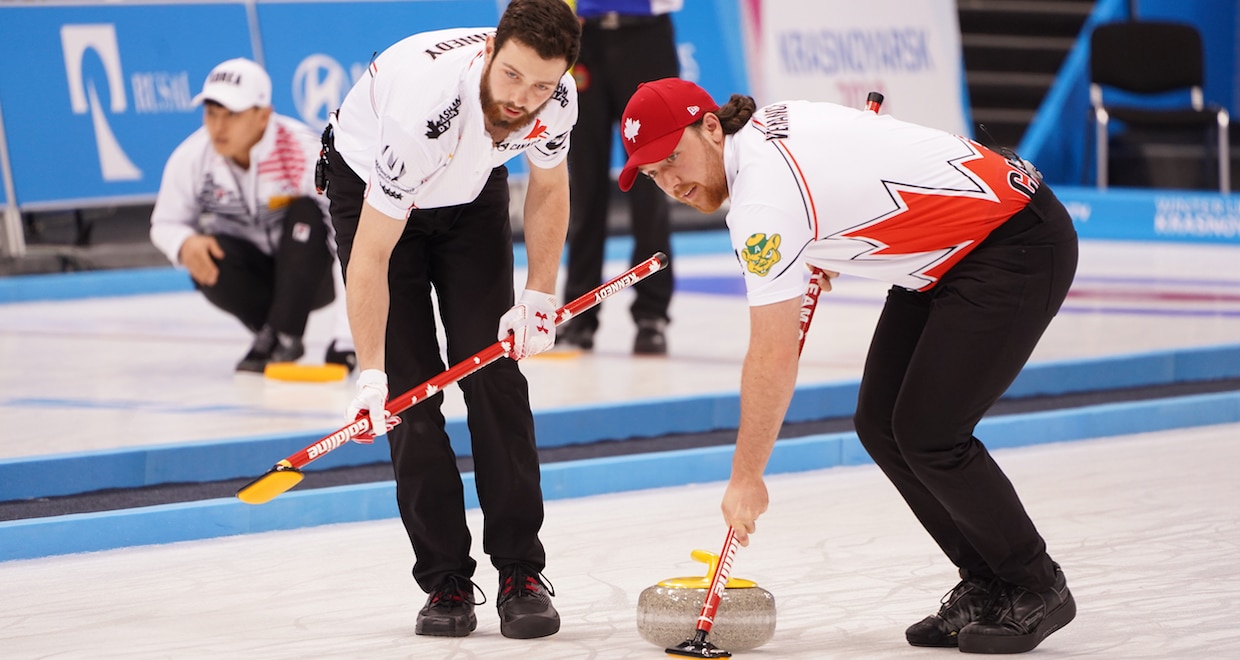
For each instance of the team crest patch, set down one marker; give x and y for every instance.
(761, 253)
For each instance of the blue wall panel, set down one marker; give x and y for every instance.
(104, 93)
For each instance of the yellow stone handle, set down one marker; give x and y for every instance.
(703, 582)
(709, 558)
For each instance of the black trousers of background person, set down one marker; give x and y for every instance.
(612, 64)
(279, 290)
(938, 361)
(465, 253)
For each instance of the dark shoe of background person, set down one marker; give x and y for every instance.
(963, 605)
(524, 604)
(651, 338)
(347, 357)
(449, 609)
(271, 346)
(1019, 619)
(574, 335)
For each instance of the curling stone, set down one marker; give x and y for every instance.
(667, 612)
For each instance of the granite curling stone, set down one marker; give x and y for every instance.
(667, 612)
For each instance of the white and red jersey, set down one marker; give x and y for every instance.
(413, 128)
(859, 193)
(203, 192)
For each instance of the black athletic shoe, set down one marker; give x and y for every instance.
(271, 346)
(651, 339)
(524, 604)
(449, 609)
(961, 606)
(346, 357)
(1019, 619)
(575, 336)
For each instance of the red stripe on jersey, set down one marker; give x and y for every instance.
(807, 196)
(811, 208)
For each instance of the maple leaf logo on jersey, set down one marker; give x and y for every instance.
(941, 217)
(439, 125)
(631, 127)
(537, 131)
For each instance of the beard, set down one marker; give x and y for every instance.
(712, 188)
(709, 196)
(493, 110)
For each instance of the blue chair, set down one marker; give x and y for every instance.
(1152, 59)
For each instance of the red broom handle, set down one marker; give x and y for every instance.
(475, 362)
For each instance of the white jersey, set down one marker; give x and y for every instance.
(413, 129)
(203, 192)
(859, 193)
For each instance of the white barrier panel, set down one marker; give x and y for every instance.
(840, 51)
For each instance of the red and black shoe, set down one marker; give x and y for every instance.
(449, 610)
(524, 604)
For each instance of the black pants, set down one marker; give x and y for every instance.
(938, 361)
(612, 64)
(279, 290)
(465, 254)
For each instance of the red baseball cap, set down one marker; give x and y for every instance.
(655, 119)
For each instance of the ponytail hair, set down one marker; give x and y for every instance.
(734, 114)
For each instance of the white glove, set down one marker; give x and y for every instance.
(371, 395)
(531, 322)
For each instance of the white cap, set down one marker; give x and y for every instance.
(238, 84)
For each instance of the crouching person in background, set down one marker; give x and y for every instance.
(237, 208)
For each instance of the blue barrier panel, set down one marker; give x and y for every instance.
(1153, 215)
(103, 93)
(113, 97)
(66, 474)
(58, 535)
(310, 76)
(93, 284)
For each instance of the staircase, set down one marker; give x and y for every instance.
(1012, 51)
